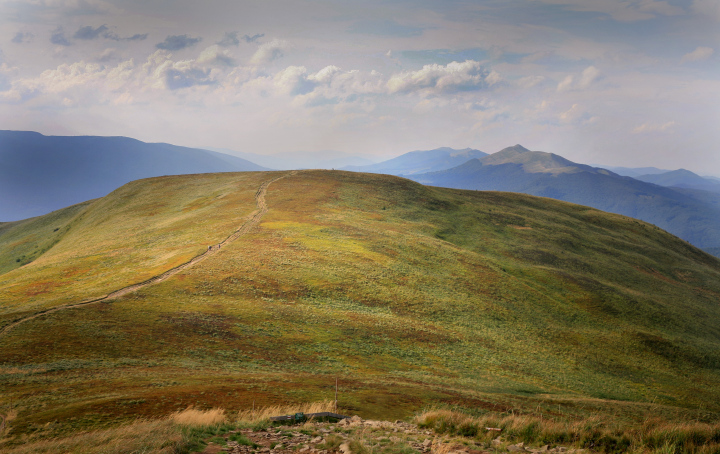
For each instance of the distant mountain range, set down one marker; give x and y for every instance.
(682, 178)
(39, 174)
(291, 160)
(689, 214)
(632, 171)
(416, 162)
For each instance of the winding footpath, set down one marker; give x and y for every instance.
(251, 222)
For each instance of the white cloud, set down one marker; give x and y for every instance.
(269, 51)
(573, 114)
(589, 75)
(699, 54)
(581, 82)
(215, 55)
(529, 81)
(435, 79)
(654, 127)
(566, 84)
(108, 54)
(84, 79)
(293, 80)
(493, 78)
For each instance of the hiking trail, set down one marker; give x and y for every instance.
(252, 220)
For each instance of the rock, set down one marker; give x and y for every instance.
(520, 447)
(317, 440)
(356, 418)
(427, 442)
(344, 422)
(497, 442)
(345, 448)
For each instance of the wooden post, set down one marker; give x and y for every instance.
(336, 390)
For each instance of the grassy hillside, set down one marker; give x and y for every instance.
(409, 294)
(685, 213)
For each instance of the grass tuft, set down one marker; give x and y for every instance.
(199, 418)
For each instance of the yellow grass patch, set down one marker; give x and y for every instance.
(156, 437)
(198, 418)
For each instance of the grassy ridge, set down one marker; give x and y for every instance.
(410, 294)
(136, 232)
(21, 242)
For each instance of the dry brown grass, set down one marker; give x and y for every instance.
(598, 433)
(199, 418)
(264, 413)
(156, 437)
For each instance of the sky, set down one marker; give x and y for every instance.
(614, 82)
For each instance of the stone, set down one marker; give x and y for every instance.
(427, 442)
(520, 447)
(317, 440)
(345, 448)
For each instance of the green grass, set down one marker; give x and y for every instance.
(21, 242)
(411, 295)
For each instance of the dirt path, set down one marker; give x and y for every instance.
(251, 222)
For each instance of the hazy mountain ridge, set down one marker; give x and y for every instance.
(682, 178)
(41, 173)
(686, 214)
(291, 160)
(421, 161)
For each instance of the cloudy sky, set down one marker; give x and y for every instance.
(614, 82)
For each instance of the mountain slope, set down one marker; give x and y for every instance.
(409, 294)
(682, 178)
(517, 169)
(421, 161)
(41, 173)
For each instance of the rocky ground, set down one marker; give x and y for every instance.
(358, 436)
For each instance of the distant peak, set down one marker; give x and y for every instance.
(518, 148)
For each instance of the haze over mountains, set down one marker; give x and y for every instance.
(44, 173)
(682, 178)
(416, 162)
(291, 160)
(41, 173)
